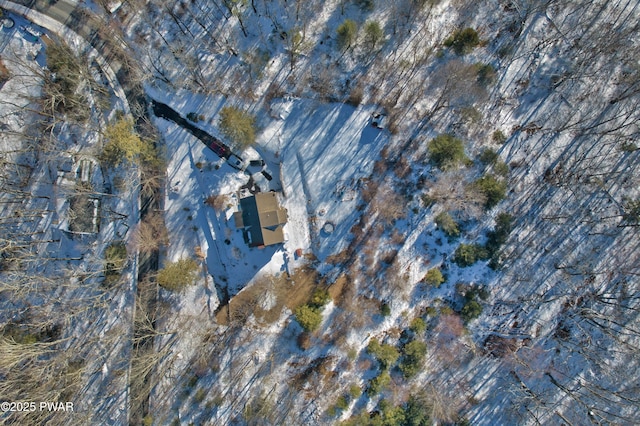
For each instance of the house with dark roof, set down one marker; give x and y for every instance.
(262, 219)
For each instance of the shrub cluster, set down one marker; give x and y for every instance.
(238, 126)
(413, 354)
(123, 143)
(486, 74)
(463, 41)
(472, 308)
(175, 276)
(309, 316)
(347, 33)
(445, 222)
(386, 355)
(468, 254)
(378, 383)
(491, 158)
(446, 151)
(415, 412)
(499, 235)
(115, 257)
(434, 277)
(494, 189)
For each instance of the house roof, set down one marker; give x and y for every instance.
(262, 218)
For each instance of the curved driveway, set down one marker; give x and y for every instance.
(54, 18)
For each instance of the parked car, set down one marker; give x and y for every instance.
(218, 149)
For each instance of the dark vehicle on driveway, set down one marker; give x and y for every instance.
(220, 150)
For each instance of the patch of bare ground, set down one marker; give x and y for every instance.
(269, 294)
(337, 289)
(5, 75)
(319, 373)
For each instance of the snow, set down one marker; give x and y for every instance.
(568, 257)
(320, 153)
(60, 283)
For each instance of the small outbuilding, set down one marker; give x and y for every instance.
(262, 219)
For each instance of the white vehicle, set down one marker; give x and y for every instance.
(236, 162)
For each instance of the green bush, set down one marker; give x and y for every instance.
(20, 334)
(355, 391)
(413, 354)
(470, 115)
(123, 143)
(309, 317)
(238, 126)
(385, 309)
(495, 190)
(115, 257)
(446, 151)
(491, 158)
(628, 146)
(378, 383)
(445, 222)
(463, 41)
(471, 310)
(175, 276)
(499, 235)
(468, 254)
(320, 298)
(416, 412)
(427, 200)
(501, 168)
(388, 415)
(342, 403)
(200, 395)
(498, 137)
(347, 33)
(193, 117)
(486, 74)
(433, 277)
(386, 355)
(418, 326)
(373, 34)
(488, 156)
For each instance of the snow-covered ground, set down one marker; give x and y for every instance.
(568, 180)
(557, 340)
(51, 274)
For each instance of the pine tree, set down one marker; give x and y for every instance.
(347, 33)
(373, 34)
(238, 126)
